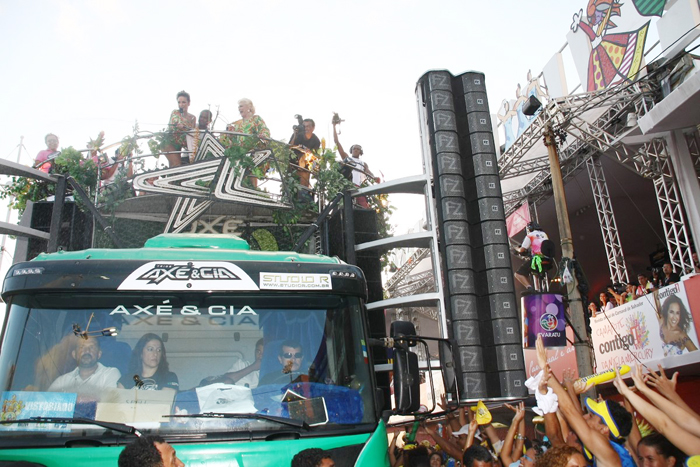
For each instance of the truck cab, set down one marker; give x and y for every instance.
(236, 357)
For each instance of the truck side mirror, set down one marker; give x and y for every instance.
(447, 365)
(406, 381)
(406, 375)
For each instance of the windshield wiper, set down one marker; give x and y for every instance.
(118, 427)
(257, 416)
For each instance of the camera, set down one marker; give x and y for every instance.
(619, 287)
(299, 127)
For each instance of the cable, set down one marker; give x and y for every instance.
(624, 346)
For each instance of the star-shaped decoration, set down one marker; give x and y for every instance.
(211, 177)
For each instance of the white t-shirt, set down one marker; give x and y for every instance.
(533, 241)
(103, 377)
(251, 379)
(121, 169)
(358, 174)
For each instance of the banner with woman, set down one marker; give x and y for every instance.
(649, 329)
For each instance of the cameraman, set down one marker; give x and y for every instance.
(304, 136)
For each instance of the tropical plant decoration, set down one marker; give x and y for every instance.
(69, 162)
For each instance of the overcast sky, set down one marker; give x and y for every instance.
(75, 68)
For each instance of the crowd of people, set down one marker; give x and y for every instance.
(649, 425)
(625, 293)
(600, 432)
(184, 131)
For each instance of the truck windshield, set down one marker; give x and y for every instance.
(160, 362)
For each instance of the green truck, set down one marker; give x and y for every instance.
(251, 356)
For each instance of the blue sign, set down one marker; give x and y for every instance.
(17, 405)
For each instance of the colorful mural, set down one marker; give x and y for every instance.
(511, 115)
(616, 52)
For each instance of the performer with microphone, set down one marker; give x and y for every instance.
(180, 123)
(44, 158)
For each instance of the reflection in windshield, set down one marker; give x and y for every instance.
(182, 357)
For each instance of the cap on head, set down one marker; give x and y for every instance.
(531, 226)
(601, 410)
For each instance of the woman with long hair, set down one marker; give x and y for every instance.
(674, 322)
(148, 366)
(181, 121)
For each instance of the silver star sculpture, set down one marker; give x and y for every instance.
(192, 183)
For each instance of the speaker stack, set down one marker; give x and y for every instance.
(366, 230)
(473, 246)
(75, 228)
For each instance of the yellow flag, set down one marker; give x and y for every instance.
(483, 416)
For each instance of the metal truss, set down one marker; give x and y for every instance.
(405, 269)
(415, 284)
(406, 314)
(693, 140)
(539, 188)
(534, 165)
(567, 113)
(670, 207)
(606, 217)
(607, 111)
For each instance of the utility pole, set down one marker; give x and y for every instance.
(583, 354)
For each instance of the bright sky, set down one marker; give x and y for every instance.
(74, 68)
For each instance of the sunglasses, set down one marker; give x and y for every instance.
(293, 355)
(528, 457)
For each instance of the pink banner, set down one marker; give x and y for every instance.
(518, 220)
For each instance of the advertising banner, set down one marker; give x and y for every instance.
(558, 358)
(543, 314)
(22, 405)
(649, 328)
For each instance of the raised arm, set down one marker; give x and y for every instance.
(234, 376)
(667, 388)
(341, 151)
(507, 449)
(619, 298)
(686, 442)
(635, 435)
(392, 451)
(596, 443)
(574, 387)
(551, 421)
(452, 449)
(473, 426)
(675, 412)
